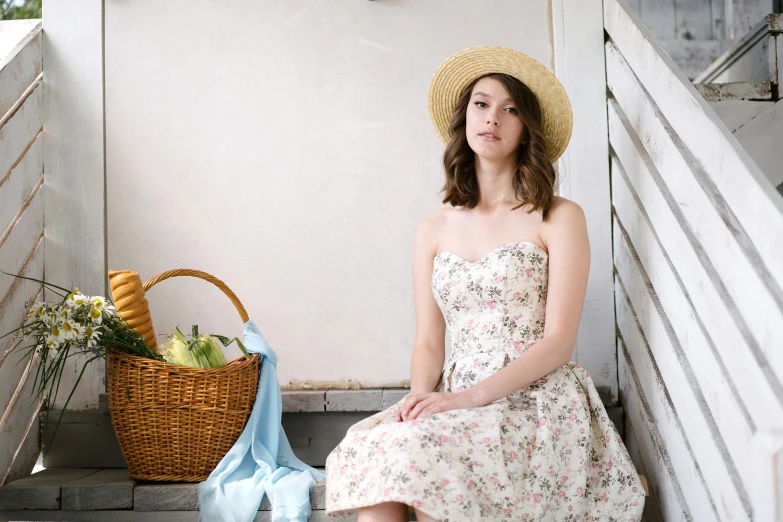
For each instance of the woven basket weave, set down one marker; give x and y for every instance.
(175, 423)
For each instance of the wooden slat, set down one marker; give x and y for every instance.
(654, 448)
(19, 132)
(652, 510)
(660, 374)
(757, 386)
(17, 185)
(21, 438)
(75, 170)
(24, 459)
(756, 294)
(694, 363)
(22, 254)
(753, 209)
(20, 67)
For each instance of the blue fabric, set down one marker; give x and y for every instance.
(261, 460)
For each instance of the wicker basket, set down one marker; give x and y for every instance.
(175, 423)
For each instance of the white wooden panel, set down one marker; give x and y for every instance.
(26, 455)
(17, 425)
(20, 67)
(21, 253)
(18, 184)
(690, 358)
(74, 167)
(19, 131)
(652, 510)
(754, 209)
(757, 388)
(655, 448)
(13, 364)
(579, 65)
(756, 296)
(658, 370)
(21, 238)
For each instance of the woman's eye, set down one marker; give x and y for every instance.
(476, 103)
(513, 109)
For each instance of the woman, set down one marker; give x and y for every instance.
(511, 429)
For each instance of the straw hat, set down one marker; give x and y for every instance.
(458, 70)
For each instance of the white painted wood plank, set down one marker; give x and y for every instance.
(654, 447)
(74, 167)
(756, 297)
(20, 67)
(760, 389)
(20, 130)
(14, 306)
(18, 184)
(754, 208)
(17, 428)
(20, 238)
(659, 370)
(579, 64)
(652, 511)
(26, 456)
(693, 358)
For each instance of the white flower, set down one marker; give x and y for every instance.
(55, 336)
(37, 311)
(68, 328)
(98, 302)
(77, 300)
(92, 334)
(52, 344)
(96, 316)
(49, 318)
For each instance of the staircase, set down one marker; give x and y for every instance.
(743, 88)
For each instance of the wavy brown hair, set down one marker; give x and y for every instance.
(535, 178)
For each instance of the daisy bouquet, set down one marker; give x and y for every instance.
(76, 324)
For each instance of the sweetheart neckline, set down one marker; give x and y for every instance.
(488, 254)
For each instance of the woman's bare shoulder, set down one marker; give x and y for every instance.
(430, 227)
(564, 209)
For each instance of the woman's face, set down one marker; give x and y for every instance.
(491, 110)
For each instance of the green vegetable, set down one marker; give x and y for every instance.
(202, 351)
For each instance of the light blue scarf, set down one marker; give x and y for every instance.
(261, 460)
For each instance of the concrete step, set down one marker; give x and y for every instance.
(111, 495)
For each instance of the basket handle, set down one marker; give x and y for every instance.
(181, 272)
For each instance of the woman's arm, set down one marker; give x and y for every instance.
(428, 347)
(429, 351)
(569, 265)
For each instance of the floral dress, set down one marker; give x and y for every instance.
(546, 452)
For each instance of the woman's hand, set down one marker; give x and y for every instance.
(422, 405)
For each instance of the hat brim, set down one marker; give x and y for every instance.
(458, 70)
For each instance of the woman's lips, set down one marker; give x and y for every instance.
(489, 137)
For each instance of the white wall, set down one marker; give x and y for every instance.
(286, 148)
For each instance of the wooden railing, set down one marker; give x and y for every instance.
(21, 238)
(698, 253)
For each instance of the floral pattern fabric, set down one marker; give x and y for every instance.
(546, 452)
